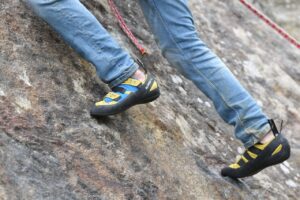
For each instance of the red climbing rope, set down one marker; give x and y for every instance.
(125, 27)
(272, 24)
(263, 17)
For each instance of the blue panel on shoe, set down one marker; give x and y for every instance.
(129, 88)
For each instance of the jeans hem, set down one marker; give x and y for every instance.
(124, 76)
(257, 136)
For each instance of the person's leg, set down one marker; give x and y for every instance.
(174, 30)
(81, 30)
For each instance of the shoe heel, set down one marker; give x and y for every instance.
(286, 152)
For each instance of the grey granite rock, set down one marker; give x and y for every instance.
(173, 148)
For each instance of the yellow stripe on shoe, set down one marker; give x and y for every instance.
(244, 159)
(154, 86)
(103, 103)
(234, 166)
(132, 82)
(261, 146)
(252, 155)
(112, 95)
(277, 150)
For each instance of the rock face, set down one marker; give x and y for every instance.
(173, 148)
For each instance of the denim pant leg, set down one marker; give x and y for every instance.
(81, 30)
(172, 24)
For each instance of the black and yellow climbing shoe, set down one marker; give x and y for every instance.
(260, 156)
(129, 93)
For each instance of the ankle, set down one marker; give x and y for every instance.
(139, 75)
(267, 138)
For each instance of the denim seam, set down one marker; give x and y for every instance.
(180, 49)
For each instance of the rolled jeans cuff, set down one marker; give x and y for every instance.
(258, 136)
(124, 76)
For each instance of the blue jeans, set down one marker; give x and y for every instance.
(173, 27)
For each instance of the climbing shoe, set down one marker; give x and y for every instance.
(129, 93)
(260, 156)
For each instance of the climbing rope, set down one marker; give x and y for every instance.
(125, 28)
(263, 17)
(272, 24)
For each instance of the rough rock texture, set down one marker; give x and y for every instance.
(173, 148)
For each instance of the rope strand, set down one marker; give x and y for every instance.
(125, 28)
(272, 24)
(259, 14)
